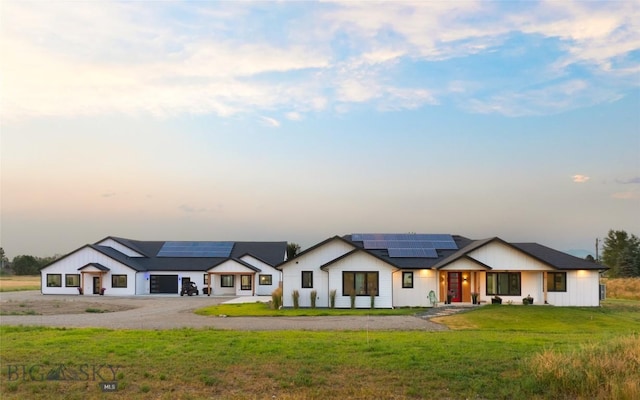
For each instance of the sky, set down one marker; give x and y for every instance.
(298, 121)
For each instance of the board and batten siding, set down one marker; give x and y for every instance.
(82, 257)
(501, 257)
(311, 261)
(424, 281)
(265, 269)
(120, 247)
(231, 267)
(362, 262)
(583, 290)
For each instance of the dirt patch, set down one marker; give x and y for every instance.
(55, 307)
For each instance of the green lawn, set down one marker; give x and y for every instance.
(487, 358)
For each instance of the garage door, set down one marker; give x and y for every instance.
(164, 283)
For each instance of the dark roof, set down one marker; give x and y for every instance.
(310, 249)
(95, 265)
(271, 253)
(556, 258)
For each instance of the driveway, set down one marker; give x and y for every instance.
(173, 312)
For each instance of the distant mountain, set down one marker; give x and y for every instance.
(580, 253)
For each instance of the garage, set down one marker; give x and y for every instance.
(164, 284)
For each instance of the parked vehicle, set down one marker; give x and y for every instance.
(189, 289)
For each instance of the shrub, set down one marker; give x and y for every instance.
(296, 298)
(352, 297)
(373, 299)
(314, 295)
(276, 299)
(332, 298)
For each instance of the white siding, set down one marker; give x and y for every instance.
(311, 261)
(424, 281)
(501, 257)
(266, 269)
(582, 290)
(120, 247)
(82, 257)
(362, 262)
(463, 264)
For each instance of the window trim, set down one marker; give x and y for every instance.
(232, 284)
(205, 279)
(265, 276)
(551, 278)
(66, 281)
(366, 283)
(50, 283)
(508, 276)
(248, 285)
(116, 284)
(310, 280)
(404, 284)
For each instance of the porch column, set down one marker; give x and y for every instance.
(544, 286)
(209, 276)
(82, 282)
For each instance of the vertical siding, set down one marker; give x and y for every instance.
(424, 280)
(266, 269)
(311, 261)
(582, 290)
(501, 257)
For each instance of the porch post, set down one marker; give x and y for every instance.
(82, 281)
(544, 286)
(253, 286)
(209, 276)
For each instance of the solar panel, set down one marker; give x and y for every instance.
(196, 249)
(406, 253)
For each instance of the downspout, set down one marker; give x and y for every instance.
(544, 286)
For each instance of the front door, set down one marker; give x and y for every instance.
(455, 286)
(96, 285)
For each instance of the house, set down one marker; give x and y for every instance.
(119, 267)
(401, 270)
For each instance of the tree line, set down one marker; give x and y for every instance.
(24, 264)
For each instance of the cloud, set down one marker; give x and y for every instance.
(629, 181)
(580, 178)
(293, 116)
(271, 122)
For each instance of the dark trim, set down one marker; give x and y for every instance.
(405, 285)
(366, 274)
(233, 281)
(260, 276)
(95, 265)
(113, 281)
(249, 278)
(310, 274)
(310, 249)
(52, 275)
(555, 289)
(66, 283)
(507, 274)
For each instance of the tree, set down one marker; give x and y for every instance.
(589, 257)
(25, 265)
(4, 261)
(292, 250)
(621, 253)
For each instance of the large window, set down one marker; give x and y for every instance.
(245, 282)
(265, 279)
(72, 280)
(407, 280)
(119, 281)
(54, 280)
(360, 283)
(503, 283)
(556, 281)
(307, 279)
(226, 281)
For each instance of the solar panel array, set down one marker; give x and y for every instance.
(406, 244)
(196, 249)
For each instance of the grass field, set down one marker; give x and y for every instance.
(495, 352)
(264, 310)
(13, 283)
(623, 288)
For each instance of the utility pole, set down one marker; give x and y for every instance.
(597, 258)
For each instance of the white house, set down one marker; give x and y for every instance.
(117, 266)
(402, 270)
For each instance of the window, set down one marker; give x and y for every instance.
(407, 280)
(245, 282)
(360, 283)
(205, 279)
(264, 279)
(119, 281)
(556, 281)
(72, 280)
(54, 280)
(307, 279)
(503, 283)
(226, 281)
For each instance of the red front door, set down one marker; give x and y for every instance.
(455, 286)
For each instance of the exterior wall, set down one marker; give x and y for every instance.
(424, 281)
(143, 283)
(231, 267)
(84, 256)
(582, 290)
(311, 261)
(501, 257)
(121, 248)
(266, 269)
(360, 262)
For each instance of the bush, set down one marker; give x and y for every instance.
(332, 298)
(276, 299)
(314, 295)
(373, 300)
(352, 297)
(296, 299)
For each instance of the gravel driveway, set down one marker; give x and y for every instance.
(172, 312)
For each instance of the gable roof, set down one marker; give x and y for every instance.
(312, 248)
(349, 254)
